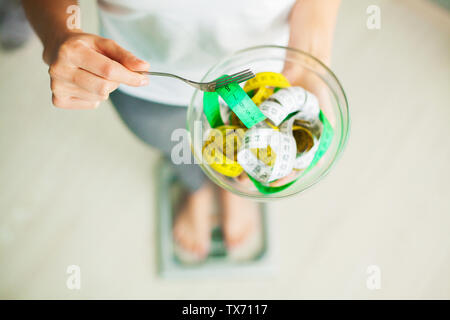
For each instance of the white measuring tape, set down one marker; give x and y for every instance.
(305, 121)
(311, 127)
(288, 100)
(283, 145)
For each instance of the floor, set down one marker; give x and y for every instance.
(76, 188)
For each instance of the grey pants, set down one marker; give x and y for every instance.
(154, 123)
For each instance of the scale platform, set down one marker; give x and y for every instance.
(219, 262)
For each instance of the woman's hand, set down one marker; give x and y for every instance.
(312, 24)
(85, 68)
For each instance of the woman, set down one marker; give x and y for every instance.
(184, 38)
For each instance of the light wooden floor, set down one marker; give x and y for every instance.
(77, 188)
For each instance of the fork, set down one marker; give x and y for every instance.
(208, 86)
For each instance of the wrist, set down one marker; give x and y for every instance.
(312, 24)
(53, 42)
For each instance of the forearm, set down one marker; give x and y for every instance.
(49, 20)
(312, 24)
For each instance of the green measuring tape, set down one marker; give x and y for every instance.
(238, 101)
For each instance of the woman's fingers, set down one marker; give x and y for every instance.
(100, 65)
(112, 50)
(89, 82)
(63, 88)
(86, 68)
(67, 102)
(78, 88)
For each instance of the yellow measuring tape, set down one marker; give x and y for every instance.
(266, 155)
(266, 79)
(303, 137)
(262, 93)
(221, 147)
(264, 83)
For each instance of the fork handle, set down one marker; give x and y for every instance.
(154, 73)
(164, 74)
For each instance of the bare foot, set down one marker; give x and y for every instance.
(192, 229)
(241, 218)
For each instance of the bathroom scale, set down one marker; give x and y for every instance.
(258, 260)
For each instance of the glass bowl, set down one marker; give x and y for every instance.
(301, 69)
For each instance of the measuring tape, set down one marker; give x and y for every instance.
(289, 100)
(288, 131)
(266, 79)
(263, 93)
(220, 149)
(237, 100)
(283, 146)
(262, 86)
(306, 135)
(278, 107)
(326, 138)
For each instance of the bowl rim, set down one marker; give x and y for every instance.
(344, 135)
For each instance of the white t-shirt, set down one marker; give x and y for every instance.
(188, 37)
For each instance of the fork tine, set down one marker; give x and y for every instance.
(246, 78)
(233, 76)
(236, 80)
(239, 78)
